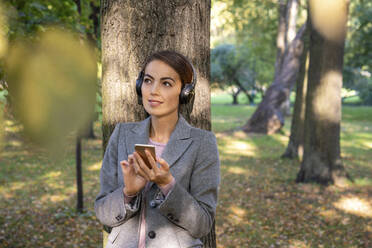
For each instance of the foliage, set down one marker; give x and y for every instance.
(255, 28)
(358, 48)
(358, 51)
(28, 17)
(231, 66)
(364, 86)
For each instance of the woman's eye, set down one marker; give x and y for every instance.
(167, 84)
(147, 80)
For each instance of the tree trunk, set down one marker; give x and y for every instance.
(268, 117)
(296, 140)
(131, 31)
(235, 95)
(79, 176)
(322, 160)
(281, 36)
(250, 98)
(94, 16)
(291, 18)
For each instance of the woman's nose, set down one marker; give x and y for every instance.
(155, 88)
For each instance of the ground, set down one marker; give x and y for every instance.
(260, 205)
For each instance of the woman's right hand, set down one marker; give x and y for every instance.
(133, 182)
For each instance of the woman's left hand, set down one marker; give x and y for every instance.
(159, 175)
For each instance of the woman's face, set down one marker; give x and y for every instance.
(161, 88)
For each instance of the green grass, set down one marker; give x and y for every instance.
(259, 203)
(226, 98)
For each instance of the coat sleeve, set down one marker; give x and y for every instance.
(109, 204)
(194, 209)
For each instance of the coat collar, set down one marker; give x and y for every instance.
(182, 130)
(177, 144)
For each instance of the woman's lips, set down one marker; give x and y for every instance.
(154, 103)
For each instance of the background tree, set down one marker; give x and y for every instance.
(322, 160)
(295, 147)
(232, 68)
(241, 23)
(269, 115)
(132, 30)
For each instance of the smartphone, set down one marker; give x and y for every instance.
(140, 149)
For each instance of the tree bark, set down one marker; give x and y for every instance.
(322, 160)
(131, 31)
(268, 117)
(295, 145)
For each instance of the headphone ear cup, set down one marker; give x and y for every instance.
(186, 93)
(139, 81)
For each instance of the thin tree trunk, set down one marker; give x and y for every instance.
(78, 5)
(94, 16)
(92, 37)
(322, 160)
(281, 37)
(291, 19)
(89, 132)
(268, 117)
(79, 176)
(250, 98)
(235, 96)
(131, 31)
(296, 140)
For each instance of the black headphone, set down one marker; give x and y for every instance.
(187, 91)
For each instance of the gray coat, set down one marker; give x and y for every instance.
(187, 212)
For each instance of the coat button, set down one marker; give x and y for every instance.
(152, 204)
(152, 234)
(119, 217)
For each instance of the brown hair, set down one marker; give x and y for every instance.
(175, 60)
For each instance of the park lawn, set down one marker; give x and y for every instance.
(259, 203)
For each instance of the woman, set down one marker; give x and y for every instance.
(172, 203)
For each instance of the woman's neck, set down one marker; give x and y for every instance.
(161, 128)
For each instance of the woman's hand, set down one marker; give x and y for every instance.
(133, 181)
(159, 175)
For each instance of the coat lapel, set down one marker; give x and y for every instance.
(178, 142)
(139, 134)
